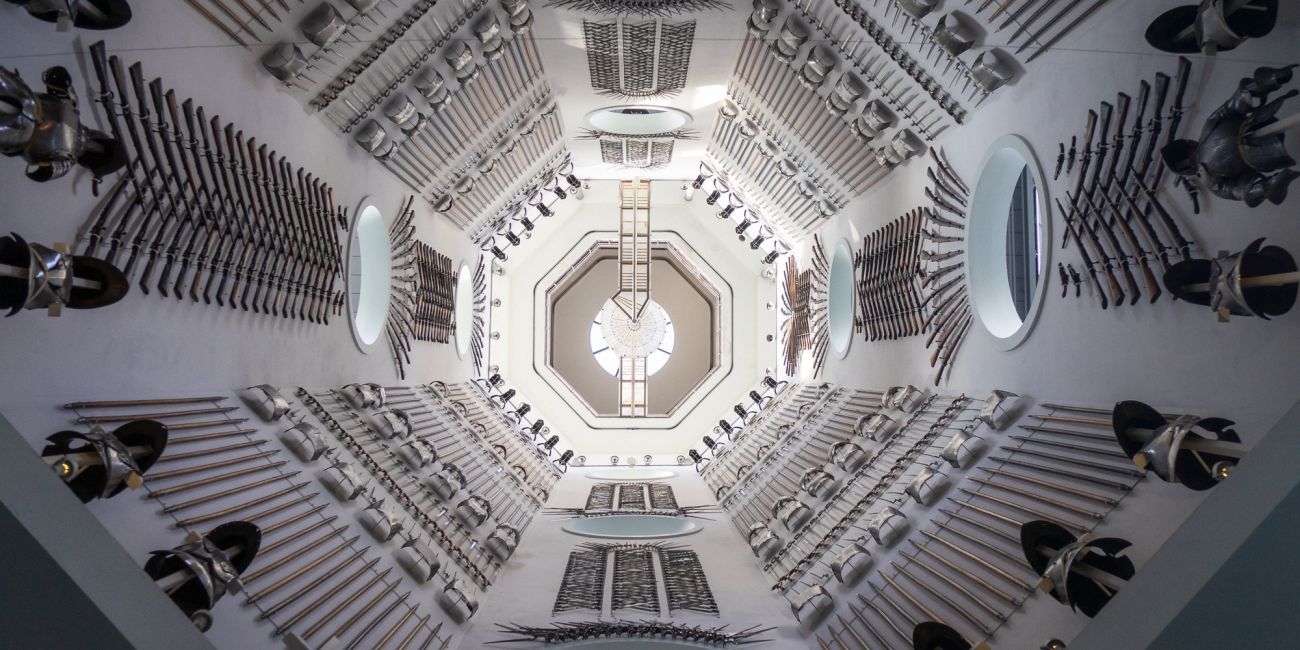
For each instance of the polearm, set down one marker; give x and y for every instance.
(143, 402)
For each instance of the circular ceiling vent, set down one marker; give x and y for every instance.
(637, 119)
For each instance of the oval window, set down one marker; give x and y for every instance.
(464, 314)
(368, 276)
(1007, 249)
(840, 299)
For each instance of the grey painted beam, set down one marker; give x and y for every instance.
(65, 582)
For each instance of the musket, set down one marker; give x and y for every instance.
(270, 528)
(95, 232)
(942, 289)
(119, 80)
(1184, 247)
(233, 237)
(935, 217)
(256, 182)
(1153, 287)
(1120, 257)
(1100, 437)
(947, 171)
(184, 179)
(168, 173)
(1088, 262)
(1084, 162)
(211, 205)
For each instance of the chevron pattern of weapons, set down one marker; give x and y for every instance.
(949, 316)
(648, 59)
(889, 299)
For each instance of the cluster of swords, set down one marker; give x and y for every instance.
(434, 295)
(256, 233)
(864, 488)
(306, 559)
(803, 307)
(954, 34)
(1115, 213)
(949, 309)
(511, 433)
(684, 582)
(889, 296)
(583, 584)
(431, 515)
(585, 630)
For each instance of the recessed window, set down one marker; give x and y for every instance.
(368, 276)
(657, 349)
(464, 308)
(840, 298)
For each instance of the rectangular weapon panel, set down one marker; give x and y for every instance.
(924, 508)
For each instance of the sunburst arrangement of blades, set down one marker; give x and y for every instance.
(660, 8)
(889, 298)
(641, 574)
(637, 60)
(584, 630)
(399, 326)
(943, 276)
(803, 306)
(479, 325)
(230, 484)
(224, 219)
(725, 189)
(1115, 215)
(435, 295)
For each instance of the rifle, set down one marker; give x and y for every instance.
(168, 174)
(99, 59)
(1084, 162)
(1088, 262)
(119, 80)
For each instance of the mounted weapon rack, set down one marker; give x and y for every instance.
(526, 207)
(786, 468)
(399, 325)
(889, 296)
(502, 427)
(765, 394)
(804, 310)
(478, 326)
(435, 295)
(645, 577)
(258, 234)
(309, 565)
(758, 430)
(728, 190)
(960, 561)
(949, 317)
(1114, 215)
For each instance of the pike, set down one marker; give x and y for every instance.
(266, 550)
(952, 583)
(1066, 445)
(1068, 432)
(337, 609)
(188, 523)
(91, 419)
(197, 501)
(1124, 471)
(1066, 473)
(300, 571)
(1106, 424)
(267, 530)
(990, 514)
(330, 593)
(1061, 34)
(159, 476)
(268, 569)
(201, 425)
(982, 543)
(1083, 494)
(1026, 509)
(307, 588)
(1041, 498)
(1065, 280)
(143, 402)
(1010, 600)
(355, 618)
(881, 613)
(988, 528)
(370, 627)
(203, 11)
(255, 517)
(915, 603)
(215, 479)
(167, 458)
